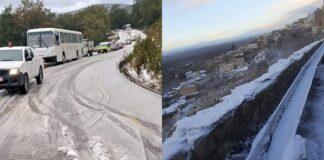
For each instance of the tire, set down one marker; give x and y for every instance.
(77, 55)
(24, 89)
(40, 77)
(10, 90)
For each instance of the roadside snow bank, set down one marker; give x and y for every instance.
(144, 78)
(296, 149)
(98, 150)
(69, 149)
(190, 129)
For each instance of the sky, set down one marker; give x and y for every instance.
(61, 6)
(192, 22)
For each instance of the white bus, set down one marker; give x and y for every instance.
(55, 45)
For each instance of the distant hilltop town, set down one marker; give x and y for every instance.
(243, 63)
(311, 28)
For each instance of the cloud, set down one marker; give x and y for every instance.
(274, 15)
(64, 5)
(190, 4)
(286, 11)
(183, 6)
(289, 5)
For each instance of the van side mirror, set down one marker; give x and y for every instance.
(29, 58)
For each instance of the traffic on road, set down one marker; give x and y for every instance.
(79, 108)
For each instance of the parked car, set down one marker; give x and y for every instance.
(127, 41)
(134, 36)
(18, 66)
(114, 46)
(103, 47)
(88, 47)
(120, 45)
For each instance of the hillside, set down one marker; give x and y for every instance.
(144, 65)
(108, 6)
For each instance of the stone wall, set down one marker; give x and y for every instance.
(231, 133)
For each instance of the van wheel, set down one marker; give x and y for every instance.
(77, 55)
(24, 89)
(10, 90)
(40, 77)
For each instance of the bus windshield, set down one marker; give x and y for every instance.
(40, 39)
(11, 55)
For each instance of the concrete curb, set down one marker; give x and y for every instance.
(120, 65)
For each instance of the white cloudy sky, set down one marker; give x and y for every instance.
(64, 5)
(190, 22)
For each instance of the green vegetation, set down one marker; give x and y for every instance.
(146, 12)
(119, 17)
(148, 52)
(94, 21)
(30, 14)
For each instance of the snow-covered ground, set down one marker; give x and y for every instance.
(145, 77)
(279, 131)
(189, 129)
(313, 125)
(85, 109)
(174, 106)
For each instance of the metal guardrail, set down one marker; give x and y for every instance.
(259, 149)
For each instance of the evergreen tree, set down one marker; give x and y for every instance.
(118, 17)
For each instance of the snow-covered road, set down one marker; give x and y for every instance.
(85, 109)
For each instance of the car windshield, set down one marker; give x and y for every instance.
(102, 45)
(11, 55)
(40, 39)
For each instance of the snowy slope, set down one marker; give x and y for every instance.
(173, 107)
(280, 129)
(189, 129)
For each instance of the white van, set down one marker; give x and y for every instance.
(18, 65)
(55, 45)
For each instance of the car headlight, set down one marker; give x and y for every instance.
(13, 71)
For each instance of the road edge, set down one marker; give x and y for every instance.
(120, 66)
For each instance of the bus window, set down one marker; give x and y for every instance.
(80, 38)
(74, 38)
(40, 39)
(70, 38)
